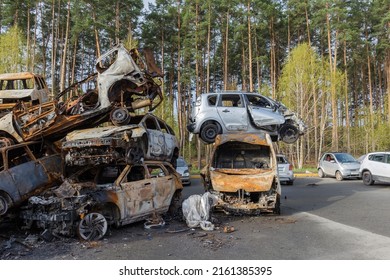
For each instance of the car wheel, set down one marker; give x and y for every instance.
(277, 206)
(289, 133)
(321, 173)
(92, 227)
(209, 132)
(6, 142)
(290, 183)
(3, 205)
(175, 209)
(339, 176)
(120, 116)
(367, 178)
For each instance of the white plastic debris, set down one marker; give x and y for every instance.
(196, 210)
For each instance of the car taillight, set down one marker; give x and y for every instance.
(290, 167)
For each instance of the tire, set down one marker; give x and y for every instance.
(209, 132)
(277, 210)
(339, 176)
(321, 173)
(4, 205)
(5, 142)
(120, 116)
(289, 133)
(367, 178)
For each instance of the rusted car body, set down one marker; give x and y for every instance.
(25, 172)
(21, 87)
(145, 137)
(97, 197)
(243, 173)
(121, 87)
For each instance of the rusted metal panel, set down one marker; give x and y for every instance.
(242, 179)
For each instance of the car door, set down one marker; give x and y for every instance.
(379, 167)
(329, 165)
(156, 138)
(262, 112)
(232, 111)
(170, 140)
(25, 175)
(148, 188)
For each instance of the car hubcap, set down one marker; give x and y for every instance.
(93, 226)
(3, 206)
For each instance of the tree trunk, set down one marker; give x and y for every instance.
(370, 93)
(117, 22)
(347, 120)
(64, 54)
(208, 49)
(179, 97)
(225, 68)
(53, 50)
(335, 138)
(250, 49)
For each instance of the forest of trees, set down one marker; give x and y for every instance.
(327, 60)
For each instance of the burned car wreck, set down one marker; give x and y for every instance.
(145, 137)
(26, 169)
(241, 112)
(91, 200)
(243, 174)
(21, 87)
(122, 85)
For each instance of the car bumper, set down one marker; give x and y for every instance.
(351, 174)
(286, 177)
(185, 180)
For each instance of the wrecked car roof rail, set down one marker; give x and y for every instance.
(62, 93)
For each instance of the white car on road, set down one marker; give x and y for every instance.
(375, 167)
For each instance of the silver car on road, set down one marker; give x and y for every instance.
(339, 165)
(229, 112)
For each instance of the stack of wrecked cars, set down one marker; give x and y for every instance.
(115, 165)
(242, 170)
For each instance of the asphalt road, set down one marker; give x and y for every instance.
(322, 219)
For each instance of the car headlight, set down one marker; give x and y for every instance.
(186, 173)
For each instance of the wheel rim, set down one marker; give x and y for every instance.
(211, 133)
(3, 205)
(120, 116)
(366, 178)
(320, 173)
(5, 142)
(92, 227)
(339, 177)
(289, 134)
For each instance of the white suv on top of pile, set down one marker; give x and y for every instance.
(375, 167)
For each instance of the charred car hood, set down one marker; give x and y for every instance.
(99, 132)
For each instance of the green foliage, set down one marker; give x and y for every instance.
(12, 47)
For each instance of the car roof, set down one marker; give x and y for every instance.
(384, 152)
(16, 76)
(231, 92)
